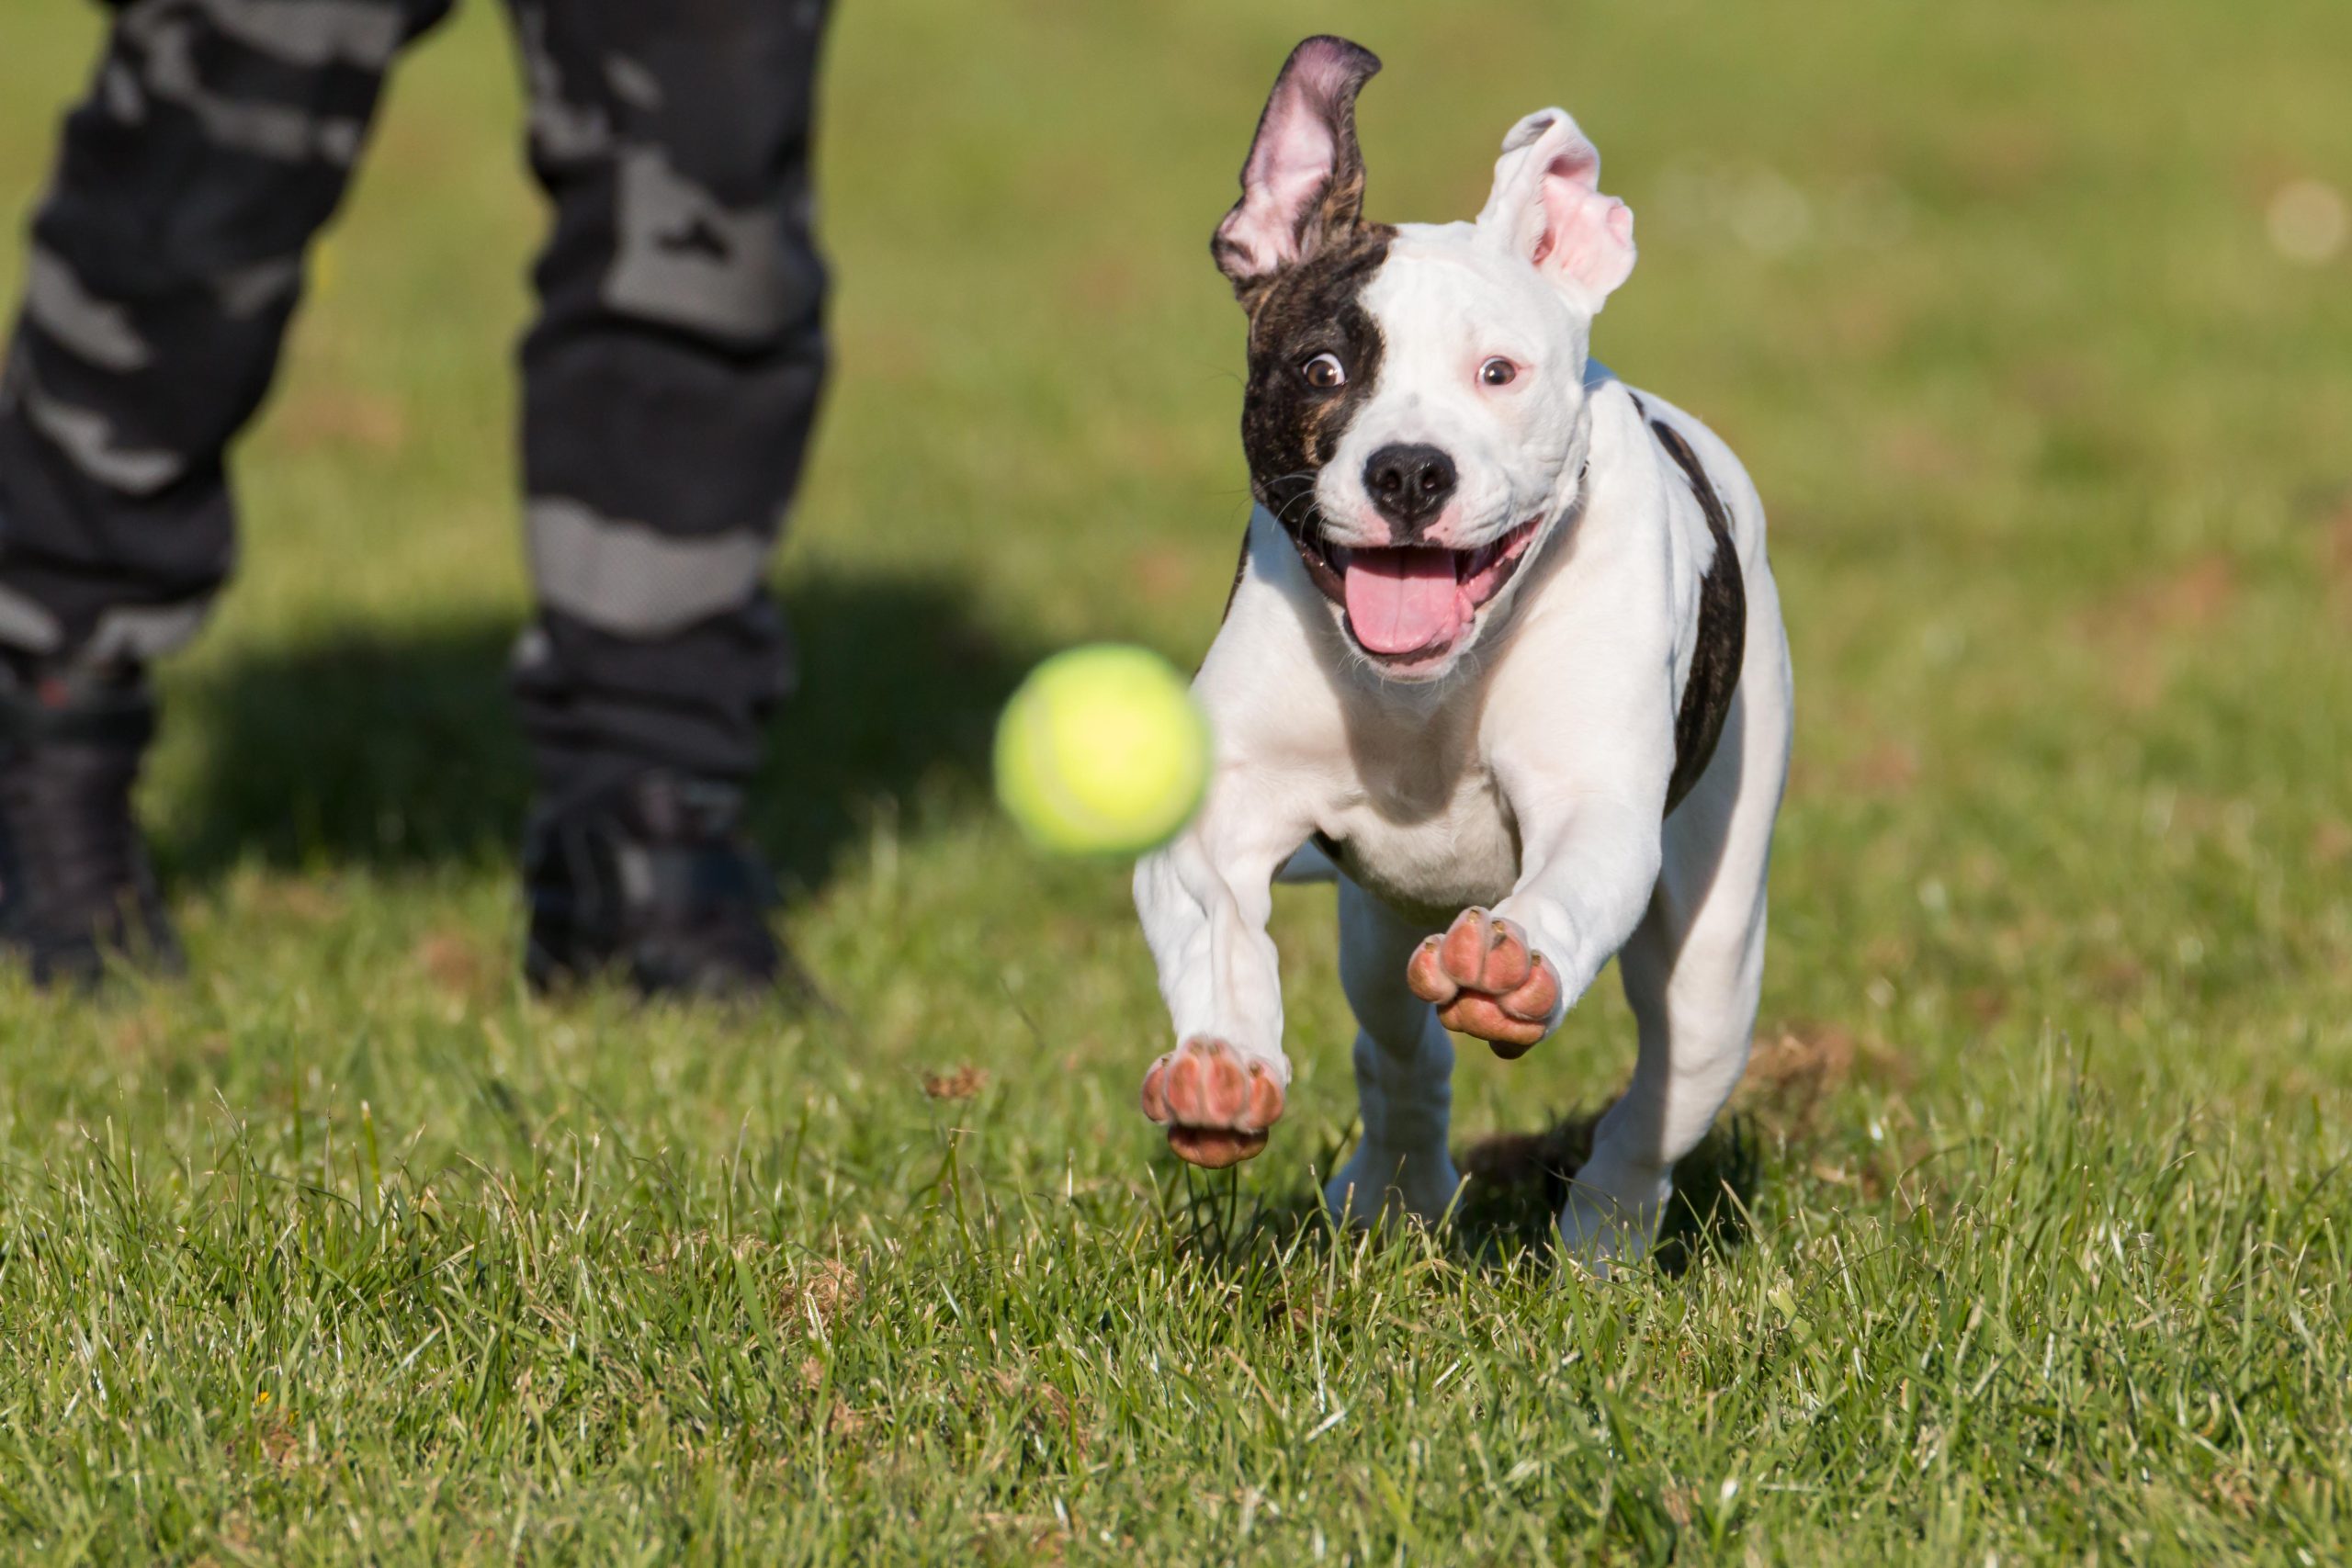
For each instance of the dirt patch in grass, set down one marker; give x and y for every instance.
(818, 1293)
(960, 1083)
(2134, 629)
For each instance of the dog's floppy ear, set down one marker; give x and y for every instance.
(1304, 182)
(1547, 207)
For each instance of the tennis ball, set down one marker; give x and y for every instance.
(1101, 750)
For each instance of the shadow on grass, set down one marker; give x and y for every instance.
(399, 747)
(1516, 1185)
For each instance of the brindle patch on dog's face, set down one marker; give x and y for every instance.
(1290, 427)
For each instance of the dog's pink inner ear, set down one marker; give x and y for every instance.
(1303, 173)
(1290, 165)
(1547, 204)
(1587, 236)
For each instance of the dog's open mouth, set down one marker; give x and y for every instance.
(1412, 603)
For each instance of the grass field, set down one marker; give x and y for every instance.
(2031, 1241)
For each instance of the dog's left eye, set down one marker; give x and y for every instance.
(1324, 372)
(1497, 372)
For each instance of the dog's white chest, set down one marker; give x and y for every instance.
(1427, 830)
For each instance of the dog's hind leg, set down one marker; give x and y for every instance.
(1404, 1063)
(1692, 971)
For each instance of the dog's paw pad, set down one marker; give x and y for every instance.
(1485, 981)
(1215, 1105)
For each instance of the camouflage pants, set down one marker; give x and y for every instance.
(670, 379)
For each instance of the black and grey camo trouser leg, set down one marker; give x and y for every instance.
(669, 383)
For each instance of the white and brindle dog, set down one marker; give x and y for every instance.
(1503, 653)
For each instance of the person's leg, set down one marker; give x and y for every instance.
(167, 260)
(669, 386)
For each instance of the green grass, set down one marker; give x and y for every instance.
(2031, 1242)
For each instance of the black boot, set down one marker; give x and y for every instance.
(652, 877)
(75, 885)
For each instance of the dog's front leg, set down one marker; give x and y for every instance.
(1509, 975)
(1205, 902)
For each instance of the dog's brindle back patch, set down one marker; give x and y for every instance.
(1722, 644)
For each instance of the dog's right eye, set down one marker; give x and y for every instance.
(1324, 372)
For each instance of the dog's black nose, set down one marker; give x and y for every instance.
(1408, 484)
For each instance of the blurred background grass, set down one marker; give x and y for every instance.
(2030, 320)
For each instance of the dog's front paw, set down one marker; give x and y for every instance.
(1215, 1106)
(1485, 980)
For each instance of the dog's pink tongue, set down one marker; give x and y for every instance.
(1402, 600)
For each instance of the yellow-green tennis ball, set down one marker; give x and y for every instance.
(1103, 751)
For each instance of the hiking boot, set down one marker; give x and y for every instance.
(75, 885)
(650, 878)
